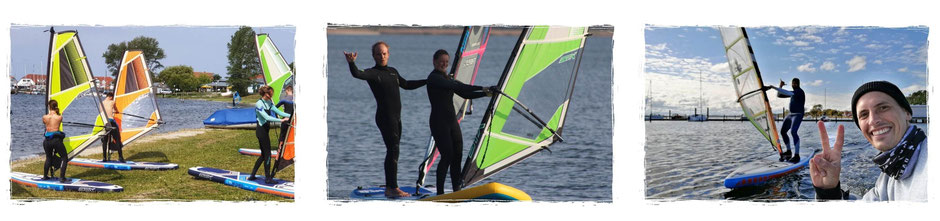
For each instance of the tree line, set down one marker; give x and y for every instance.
(242, 58)
(916, 98)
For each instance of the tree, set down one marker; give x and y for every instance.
(181, 77)
(151, 50)
(242, 59)
(216, 77)
(816, 111)
(919, 97)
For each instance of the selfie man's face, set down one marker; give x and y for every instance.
(882, 121)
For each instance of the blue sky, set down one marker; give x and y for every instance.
(831, 63)
(203, 48)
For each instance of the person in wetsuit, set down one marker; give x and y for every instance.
(52, 144)
(264, 109)
(384, 82)
(443, 120)
(792, 122)
(287, 100)
(111, 141)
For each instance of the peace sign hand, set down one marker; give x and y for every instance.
(824, 168)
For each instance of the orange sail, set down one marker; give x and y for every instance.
(137, 111)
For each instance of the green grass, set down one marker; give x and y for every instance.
(214, 148)
(251, 98)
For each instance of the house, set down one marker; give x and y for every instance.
(206, 74)
(215, 86)
(104, 83)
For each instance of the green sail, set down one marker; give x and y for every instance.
(540, 76)
(70, 84)
(277, 73)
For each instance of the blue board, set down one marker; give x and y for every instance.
(117, 165)
(79, 185)
(762, 171)
(378, 193)
(232, 118)
(281, 188)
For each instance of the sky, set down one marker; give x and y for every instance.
(203, 48)
(831, 62)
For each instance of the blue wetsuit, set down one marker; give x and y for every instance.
(793, 120)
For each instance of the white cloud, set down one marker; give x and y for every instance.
(827, 66)
(808, 67)
(856, 63)
(878, 61)
(913, 88)
(720, 68)
(840, 32)
(816, 83)
(796, 55)
(681, 36)
(904, 69)
(876, 46)
(658, 47)
(861, 37)
(800, 43)
(909, 46)
(813, 38)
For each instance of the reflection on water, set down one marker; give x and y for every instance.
(689, 160)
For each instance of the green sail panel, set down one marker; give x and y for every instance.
(748, 83)
(540, 75)
(70, 84)
(277, 72)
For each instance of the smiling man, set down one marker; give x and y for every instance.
(883, 114)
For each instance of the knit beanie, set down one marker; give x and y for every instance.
(884, 87)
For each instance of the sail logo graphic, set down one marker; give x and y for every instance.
(567, 57)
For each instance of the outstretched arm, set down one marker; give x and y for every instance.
(463, 90)
(410, 85)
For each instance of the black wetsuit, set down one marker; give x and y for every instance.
(444, 127)
(384, 82)
(52, 145)
(288, 102)
(112, 141)
(265, 113)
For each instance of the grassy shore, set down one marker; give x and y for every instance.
(198, 147)
(210, 97)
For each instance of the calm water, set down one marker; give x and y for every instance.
(577, 170)
(689, 160)
(27, 129)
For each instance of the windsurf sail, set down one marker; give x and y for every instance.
(748, 83)
(285, 151)
(466, 64)
(137, 110)
(541, 74)
(72, 85)
(277, 73)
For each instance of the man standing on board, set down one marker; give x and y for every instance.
(384, 82)
(883, 114)
(793, 120)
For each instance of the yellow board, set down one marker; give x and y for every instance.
(487, 192)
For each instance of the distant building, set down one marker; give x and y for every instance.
(216, 86)
(104, 83)
(200, 74)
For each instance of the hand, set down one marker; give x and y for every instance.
(284, 119)
(824, 168)
(491, 91)
(782, 83)
(350, 56)
(765, 88)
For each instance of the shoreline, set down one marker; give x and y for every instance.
(96, 149)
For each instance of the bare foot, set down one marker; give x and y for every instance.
(389, 192)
